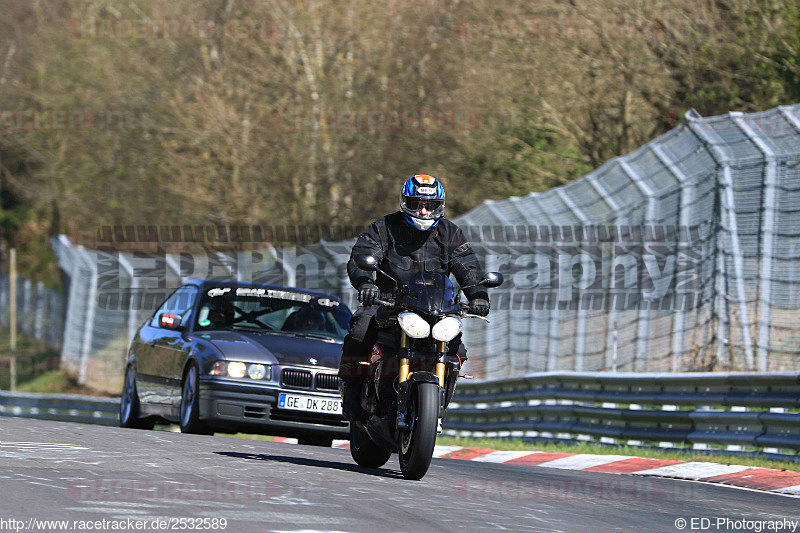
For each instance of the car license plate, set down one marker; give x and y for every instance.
(297, 402)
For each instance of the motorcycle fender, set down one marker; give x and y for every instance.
(423, 377)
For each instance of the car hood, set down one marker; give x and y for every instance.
(275, 348)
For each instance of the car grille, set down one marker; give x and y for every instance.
(327, 382)
(296, 378)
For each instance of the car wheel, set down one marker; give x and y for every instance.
(325, 443)
(129, 404)
(190, 403)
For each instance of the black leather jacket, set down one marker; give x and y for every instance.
(402, 251)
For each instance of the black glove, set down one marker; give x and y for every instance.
(368, 292)
(479, 307)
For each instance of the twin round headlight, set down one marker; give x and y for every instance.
(236, 369)
(416, 327)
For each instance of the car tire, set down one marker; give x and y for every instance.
(364, 450)
(129, 404)
(190, 403)
(325, 443)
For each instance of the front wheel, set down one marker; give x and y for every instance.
(364, 450)
(190, 403)
(416, 447)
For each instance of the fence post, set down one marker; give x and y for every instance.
(612, 313)
(12, 283)
(39, 313)
(133, 288)
(91, 303)
(679, 324)
(769, 207)
(583, 313)
(729, 207)
(643, 331)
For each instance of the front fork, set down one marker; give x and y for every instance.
(405, 364)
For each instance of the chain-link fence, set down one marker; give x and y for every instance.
(680, 256)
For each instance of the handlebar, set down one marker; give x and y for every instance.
(462, 313)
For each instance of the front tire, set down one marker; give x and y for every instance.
(129, 404)
(416, 447)
(364, 450)
(190, 403)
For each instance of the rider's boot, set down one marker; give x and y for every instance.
(350, 390)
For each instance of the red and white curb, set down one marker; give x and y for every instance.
(749, 477)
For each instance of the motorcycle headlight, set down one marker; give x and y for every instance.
(414, 325)
(446, 329)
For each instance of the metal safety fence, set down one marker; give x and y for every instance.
(39, 310)
(681, 256)
(733, 412)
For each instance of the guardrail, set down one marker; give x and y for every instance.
(741, 412)
(64, 407)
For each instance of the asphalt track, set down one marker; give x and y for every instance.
(75, 472)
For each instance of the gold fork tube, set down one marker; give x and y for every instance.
(440, 373)
(441, 347)
(405, 342)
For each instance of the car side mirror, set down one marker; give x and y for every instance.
(492, 279)
(366, 262)
(171, 321)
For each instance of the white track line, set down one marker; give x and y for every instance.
(502, 456)
(693, 470)
(581, 461)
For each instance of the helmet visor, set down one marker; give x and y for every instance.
(417, 205)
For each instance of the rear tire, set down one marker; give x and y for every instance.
(190, 403)
(416, 449)
(129, 404)
(364, 450)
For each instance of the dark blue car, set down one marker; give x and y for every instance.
(239, 357)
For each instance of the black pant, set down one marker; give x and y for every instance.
(362, 337)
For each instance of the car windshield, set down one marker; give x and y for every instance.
(280, 311)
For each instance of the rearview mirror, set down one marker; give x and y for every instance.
(492, 279)
(366, 262)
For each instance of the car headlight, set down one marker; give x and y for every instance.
(238, 369)
(256, 371)
(414, 325)
(446, 329)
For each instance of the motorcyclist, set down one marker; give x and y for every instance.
(416, 238)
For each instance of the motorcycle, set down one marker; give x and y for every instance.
(410, 378)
